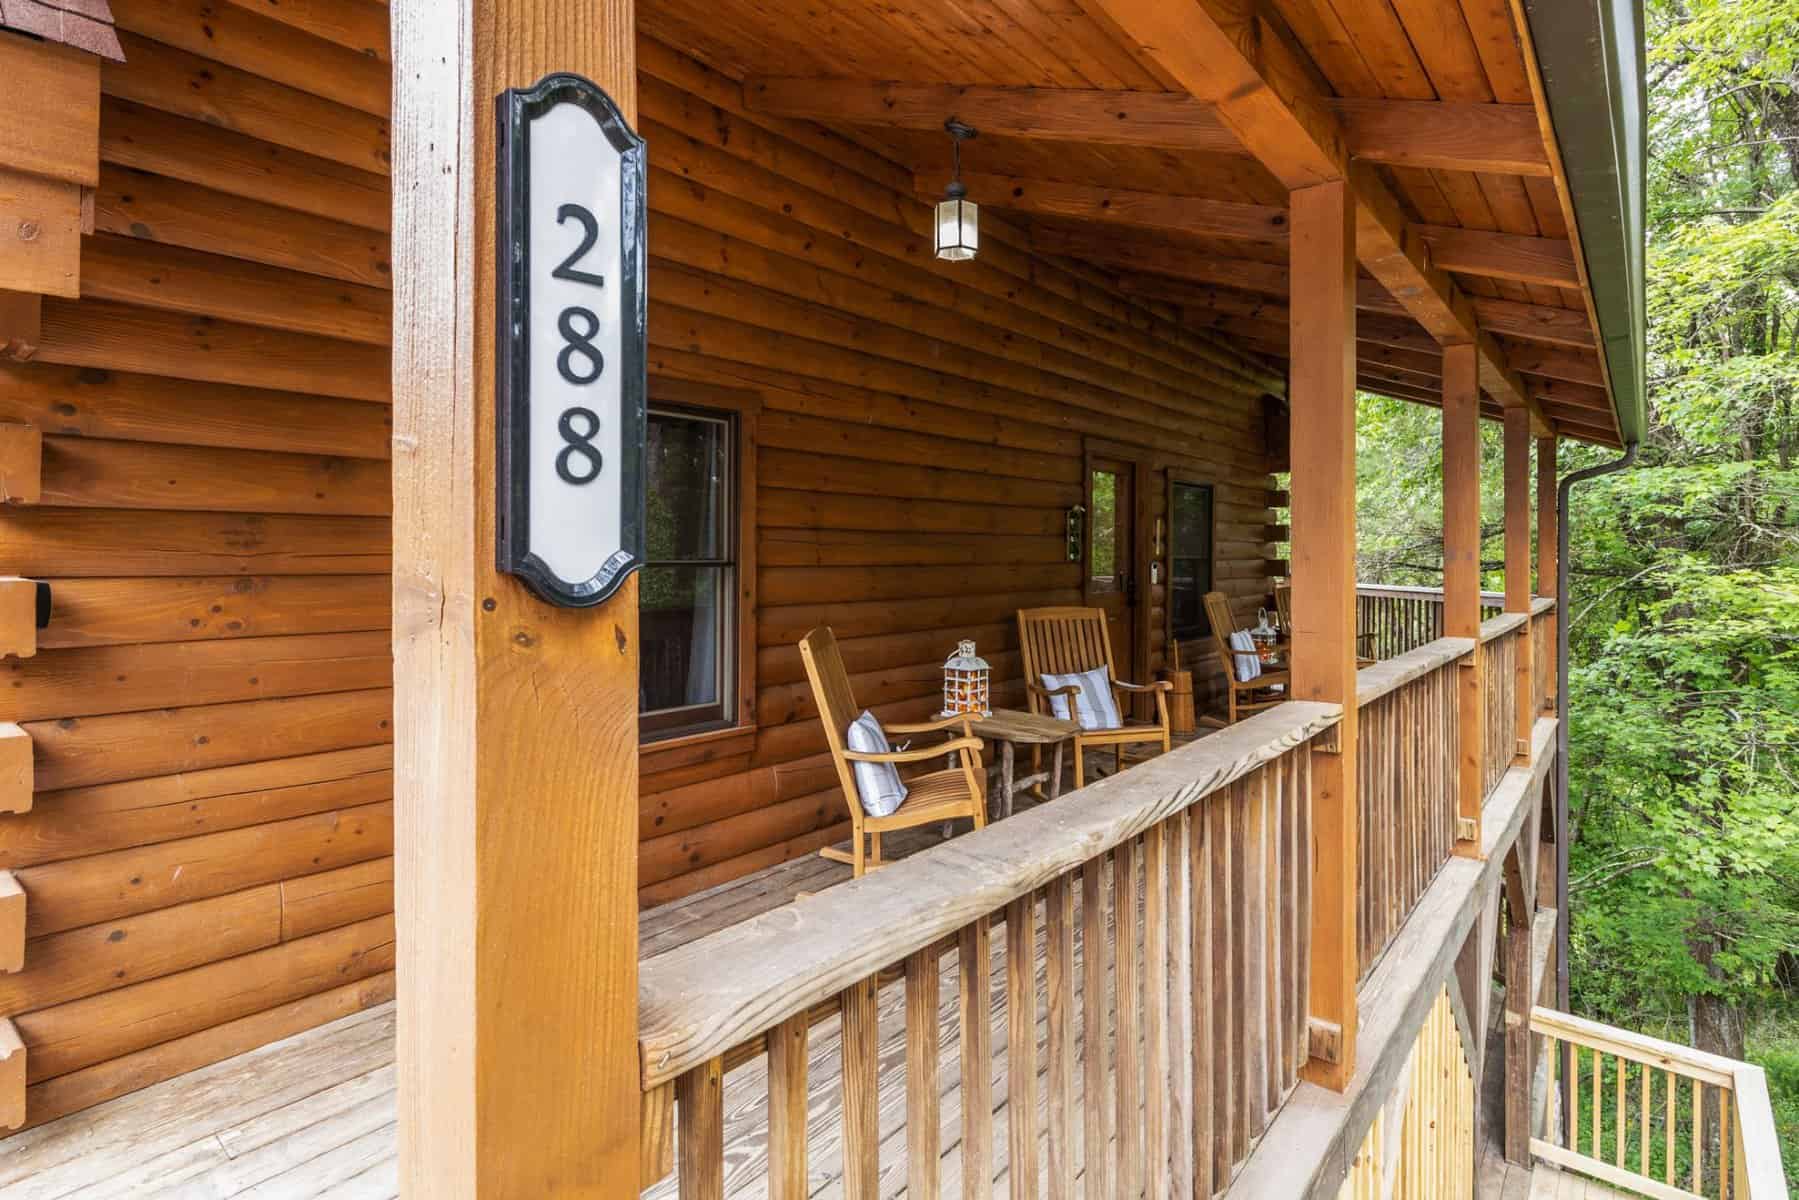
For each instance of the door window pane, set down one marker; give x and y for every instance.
(688, 644)
(1104, 561)
(1190, 555)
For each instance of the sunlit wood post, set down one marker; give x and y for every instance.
(1518, 592)
(515, 721)
(1547, 546)
(1324, 567)
(1461, 573)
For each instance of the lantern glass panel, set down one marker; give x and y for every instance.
(958, 229)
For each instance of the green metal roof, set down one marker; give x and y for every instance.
(1590, 53)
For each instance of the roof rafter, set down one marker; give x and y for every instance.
(1233, 56)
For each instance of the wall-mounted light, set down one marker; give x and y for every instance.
(958, 218)
(1076, 522)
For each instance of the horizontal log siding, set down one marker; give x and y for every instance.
(920, 437)
(208, 858)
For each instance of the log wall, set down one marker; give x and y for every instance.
(207, 854)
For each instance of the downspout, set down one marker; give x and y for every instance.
(1562, 707)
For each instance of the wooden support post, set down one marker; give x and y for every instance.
(1322, 392)
(18, 616)
(16, 771)
(515, 755)
(1520, 1061)
(12, 1076)
(12, 923)
(1517, 569)
(1548, 525)
(1461, 574)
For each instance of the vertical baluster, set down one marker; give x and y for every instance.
(922, 1104)
(974, 974)
(1698, 1138)
(861, 1093)
(1058, 915)
(1573, 1121)
(1723, 1144)
(1021, 1046)
(1199, 980)
(1226, 1010)
(1623, 1116)
(1668, 1128)
(1275, 949)
(699, 1100)
(787, 1110)
(1248, 799)
(1179, 947)
(1096, 1091)
(1643, 1120)
(1124, 971)
(1553, 1130)
(1598, 1102)
(1157, 1116)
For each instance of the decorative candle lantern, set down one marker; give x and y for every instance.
(965, 678)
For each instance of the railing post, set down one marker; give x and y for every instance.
(1461, 577)
(1547, 566)
(515, 721)
(1517, 569)
(1322, 391)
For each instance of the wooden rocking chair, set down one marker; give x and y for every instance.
(1241, 698)
(1283, 605)
(937, 796)
(1062, 641)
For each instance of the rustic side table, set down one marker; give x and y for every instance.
(1012, 729)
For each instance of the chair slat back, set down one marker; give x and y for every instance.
(1283, 604)
(1059, 641)
(836, 704)
(1218, 613)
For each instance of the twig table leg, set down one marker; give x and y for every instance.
(1055, 774)
(1005, 775)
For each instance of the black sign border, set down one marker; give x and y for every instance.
(515, 109)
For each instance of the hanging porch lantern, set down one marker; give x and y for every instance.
(965, 678)
(958, 218)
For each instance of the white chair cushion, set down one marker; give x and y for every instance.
(1249, 663)
(1094, 705)
(878, 785)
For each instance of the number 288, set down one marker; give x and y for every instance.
(580, 361)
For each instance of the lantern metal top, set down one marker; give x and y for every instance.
(965, 659)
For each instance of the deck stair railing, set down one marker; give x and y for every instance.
(1170, 910)
(1655, 1118)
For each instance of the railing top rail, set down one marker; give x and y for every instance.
(1391, 674)
(1497, 627)
(1403, 591)
(1541, 605)
(712, 994)
(1638, 1047)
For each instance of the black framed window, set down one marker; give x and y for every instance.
(1190, 558)
(687, 617)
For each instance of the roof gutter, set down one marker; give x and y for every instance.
(1591, 58)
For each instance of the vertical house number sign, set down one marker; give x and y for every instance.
(570, 392)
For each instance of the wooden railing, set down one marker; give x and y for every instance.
(1407, 747)
(1401, 619)
(1170, 907)
(1499, 637)
(1656, 1118)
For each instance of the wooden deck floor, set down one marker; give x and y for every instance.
(314, 1115)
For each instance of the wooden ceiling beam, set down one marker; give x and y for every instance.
(1165, 119)
(1136, 254)
(1501, 139)
(1192, 215)
(1244, 63)
(1535, 322)
(1556, 362)
(1546, 261)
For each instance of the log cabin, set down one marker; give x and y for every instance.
(334, 860)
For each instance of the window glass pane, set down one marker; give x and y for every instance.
(683, 614)
(687, 476)
(1190, 554)
(1105, 526)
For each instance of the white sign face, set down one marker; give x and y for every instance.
(571, 358)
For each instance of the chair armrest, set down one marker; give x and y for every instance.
(920, 754)
(1160, 685)
(952, 721)
(1065, 690)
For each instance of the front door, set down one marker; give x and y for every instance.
(1112, 555)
